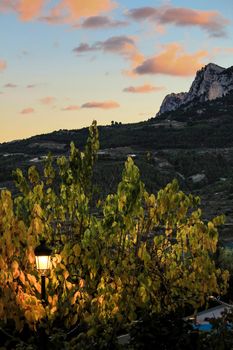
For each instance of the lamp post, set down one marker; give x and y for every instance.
(43, 256)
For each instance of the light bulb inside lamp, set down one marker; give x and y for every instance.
(43, 262)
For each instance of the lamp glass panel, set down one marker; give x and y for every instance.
(43, 262)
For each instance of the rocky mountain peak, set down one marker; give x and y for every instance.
(213, 66)
(211, 82)
(171, 102)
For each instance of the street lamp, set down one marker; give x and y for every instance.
(43, 255)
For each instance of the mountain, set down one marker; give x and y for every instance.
(211, 82)
(193, 143)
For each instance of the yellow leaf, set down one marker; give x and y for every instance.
(74, 320)
(15, 265)
(31, 278)
(69, 285)
(91, 332)
(55, 299)
(53, 310)
(22, 277)
(81, 283)
(37, 285)
(15, 268)
(31, 257)
(77, 249)
(75, 296)
(29, 316)
(65, 274)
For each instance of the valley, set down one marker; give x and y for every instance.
(192, 143)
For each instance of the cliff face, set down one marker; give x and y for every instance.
(172, 101)
(211, 82)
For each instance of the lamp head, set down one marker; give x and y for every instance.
(43, 255)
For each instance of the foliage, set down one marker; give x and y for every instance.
(132, 253)
(172, 332)
(221, 335)
(225, 258)
(169, 332)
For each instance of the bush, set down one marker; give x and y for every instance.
(131, 254)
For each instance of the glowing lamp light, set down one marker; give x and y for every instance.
(43, 257)
(43, 262)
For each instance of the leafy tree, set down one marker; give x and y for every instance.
(113, 260)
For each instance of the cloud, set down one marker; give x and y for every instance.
(121, 45)
(31, 86)
(2, 65)
(116, 44)
(142, 13)
(48, 100)
(78, 8)
(26, 9)
(173, 60)
(84, 47)
(71, 108)
(69, 11)
(211, 21)
(10, 85)
(222, 50)
(102, 105)
(95, 22)
(55, 16)
(143, 88)
(27, 110)
(65, 11)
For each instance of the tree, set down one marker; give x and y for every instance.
(113, 260)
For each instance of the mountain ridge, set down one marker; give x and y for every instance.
(194, 144)
(211, 82)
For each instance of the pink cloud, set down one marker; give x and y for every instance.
(2, 65)
(173, 60)
(27, 110)
(71, 108)
(211, 21)
(10, 85)
(69, 11)
(54, 17)
(31, 86)
(48, 100)
(143, 89)
(101, 22)
(26, 9)
(78, 8)
(102, 105)
(225, 50)
(65, 11)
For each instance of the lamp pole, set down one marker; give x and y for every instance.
(43, 292)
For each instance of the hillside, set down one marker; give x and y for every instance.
(193, 144)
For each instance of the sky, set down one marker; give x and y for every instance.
(65, 63)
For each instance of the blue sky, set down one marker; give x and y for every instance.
(64, 63)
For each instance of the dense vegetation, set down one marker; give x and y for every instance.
(116, 259)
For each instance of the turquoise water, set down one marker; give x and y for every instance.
(206, 327)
